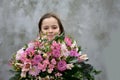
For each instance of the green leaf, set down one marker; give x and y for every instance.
(79, 49)
(16, 76)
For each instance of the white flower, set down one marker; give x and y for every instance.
(50, 70)
(80, 52)
(64, 50)
(19, 64)
(45, 55)
(74, 44)
(31, 44)
(70, 66)
(63, 46)
(19, 54)
(83, 57)
(23, 74)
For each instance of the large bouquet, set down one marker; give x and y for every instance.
(59, 59)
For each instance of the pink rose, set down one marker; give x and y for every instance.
(61, 66)
(56, 53)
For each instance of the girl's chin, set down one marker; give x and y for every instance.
(50, 38)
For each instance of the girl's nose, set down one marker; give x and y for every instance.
(50, 30)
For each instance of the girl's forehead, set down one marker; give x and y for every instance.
(50, 20)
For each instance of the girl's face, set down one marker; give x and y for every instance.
(50, 27)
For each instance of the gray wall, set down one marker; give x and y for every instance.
(93, 23)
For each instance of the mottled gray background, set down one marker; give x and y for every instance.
(93, 23)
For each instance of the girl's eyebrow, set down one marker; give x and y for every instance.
(45, 26)
(54, 25)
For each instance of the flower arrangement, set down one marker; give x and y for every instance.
(58, 59)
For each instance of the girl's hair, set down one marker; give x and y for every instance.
(48, 15)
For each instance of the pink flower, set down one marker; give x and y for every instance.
(26, 66)
(40, 66)
(44, 67)
(64, 50)
(58, 74)
(51, 67)
(46, 62)
(20, 54)
(74, 53)
(53, 61)
(31, 44)
(37, 59)
(30, 51)
(34, 71)
(70, 66)
(61, 66)
(23, 74)
(55, 45)
(68, 41)
(56, 53)
(37, 43)
(82, 57)
(50, 70)
(24, 57)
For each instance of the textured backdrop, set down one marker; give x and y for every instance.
(91, 22)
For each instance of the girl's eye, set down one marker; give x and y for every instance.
(45, 28)
(54, 27)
